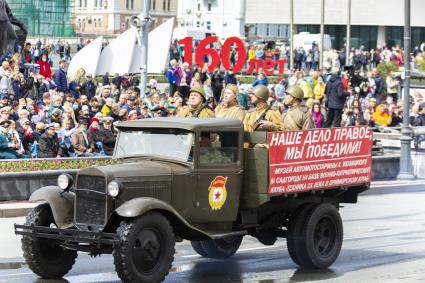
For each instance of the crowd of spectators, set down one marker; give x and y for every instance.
(46, 113)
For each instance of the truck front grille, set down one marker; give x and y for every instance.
(90, 200)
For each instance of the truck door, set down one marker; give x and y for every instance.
(219, 176)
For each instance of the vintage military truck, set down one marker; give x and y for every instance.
(178, 179)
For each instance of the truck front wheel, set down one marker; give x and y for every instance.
(220, 248)
(45, 257)
(315, 239)
(146, 249)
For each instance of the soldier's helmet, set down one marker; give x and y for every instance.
(261, 92)
(200, 90)
(295, 91)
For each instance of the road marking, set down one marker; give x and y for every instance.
(16, 274)
(376, 186)
(239, 251)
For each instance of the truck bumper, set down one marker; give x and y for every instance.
(68, 235)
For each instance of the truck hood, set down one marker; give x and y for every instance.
(133, 168)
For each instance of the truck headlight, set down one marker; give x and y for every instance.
(65, 181)
(113, 189)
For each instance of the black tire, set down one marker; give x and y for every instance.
(44, 256)
(294, 230)
(221, 248)
(320, 236)
(198, 248)
(146, 249)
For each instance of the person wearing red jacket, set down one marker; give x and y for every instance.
(45, 69)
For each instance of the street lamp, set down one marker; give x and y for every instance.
(142, 25)
(291, 31)
(322, 32)
(406, 168)
(348, 35)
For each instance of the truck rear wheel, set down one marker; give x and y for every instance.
(146, 249)
(315, 238)
(45, 257)
(220, 248)
(198, 248)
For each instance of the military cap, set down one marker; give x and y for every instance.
(200, 90)
(262, 92)
(296, 92)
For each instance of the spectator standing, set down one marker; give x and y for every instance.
(217, 84)
(319, 119)
(379, 83)
(392, 85)
(76, 83)
(105, 79)
(89, 88)
(196, 80)
(172, 77)
(6, 88)
(230, 78)
(336, 100)
(60, 79)
(420, 119)
(183, 80)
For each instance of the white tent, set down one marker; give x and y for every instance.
(123, 54)
(87, 58)
(117, 56)
(159, 44)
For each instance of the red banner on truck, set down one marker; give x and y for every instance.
(320, 158)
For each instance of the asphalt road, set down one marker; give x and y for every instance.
(384, 241)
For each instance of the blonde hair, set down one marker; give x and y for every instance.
(79, 76)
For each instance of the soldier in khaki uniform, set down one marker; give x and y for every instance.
(262, 118)
(196, 107)
(229, 107)
(298, 117)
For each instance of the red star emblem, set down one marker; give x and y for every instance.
(217, 195)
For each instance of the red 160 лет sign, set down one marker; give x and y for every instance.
(223, 57)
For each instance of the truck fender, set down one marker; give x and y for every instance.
(62, 205)
(139, 206)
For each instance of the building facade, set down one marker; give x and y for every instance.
(45, 17)
(373, 23)
(225, 18)
(111, 17)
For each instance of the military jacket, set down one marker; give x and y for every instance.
(235, 112)
(252, 118)
(297, 118)
(200, 112)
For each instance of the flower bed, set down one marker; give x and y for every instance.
(31, 165)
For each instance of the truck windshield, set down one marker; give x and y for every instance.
(169, 143)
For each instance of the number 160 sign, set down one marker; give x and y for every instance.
(223, 57)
